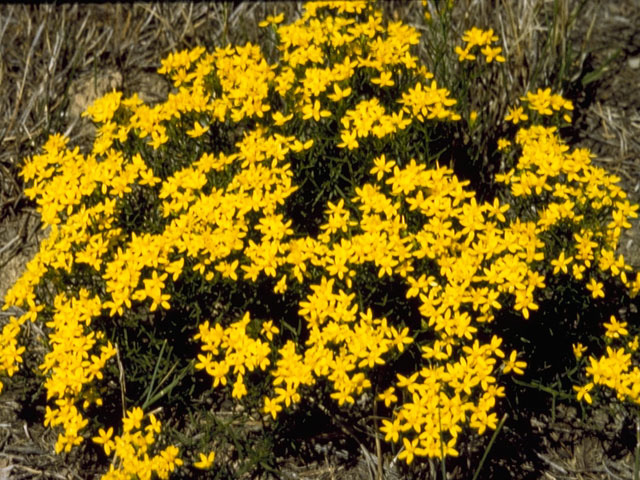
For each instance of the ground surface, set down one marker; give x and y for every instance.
(61, 58)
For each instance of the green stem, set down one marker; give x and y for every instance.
(486, 452)
(636, 463)
(542, 388)
(155, 372)
(443, 465)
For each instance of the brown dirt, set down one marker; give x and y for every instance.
(610, 126)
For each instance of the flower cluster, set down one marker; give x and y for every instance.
(10, 352)
(484, 40)
(431, 8)
(241, 353)
(346, 341)
(202, 193)
(546, 103)
(565, 191)
(70, 367)
(543, 103)
(131, 449)
(617, 368)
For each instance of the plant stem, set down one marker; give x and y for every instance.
(486, 452)
(443, 465)
(378, 446)
(636, 463)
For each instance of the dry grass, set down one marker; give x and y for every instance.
(546, 43)
(50, 53)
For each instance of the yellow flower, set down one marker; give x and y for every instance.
(279, 119)
(391, 430)
(503, 144)
(154, 424)
(289, 395)
(239, 388)
(496, 210)
(516, 115)
(410, 450)
(464, 54)
(513, 365)
(342, 396)
(578, 350)
(492, 53)
(104, 439)
(384, 80)
(388, 396)
(407, 382)
(561, 263)
(272, 20)
(401, 338)
(198, 130)
(228, 270)
(596, 288)
(540, 101)
(158, 137)
(298, 146)
(314, 111)
(206, 460)
(583, 392)
(382, 166)
(268, 329)
(349, 139)
(616, 329)
(339, 93)
(271, 407)
(476, 36)
(132, 419)
(153, 289)
(103, 109)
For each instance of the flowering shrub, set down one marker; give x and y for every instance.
(615, 369)
(288, 232)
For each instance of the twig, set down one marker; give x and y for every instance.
(553, 464)
(609, 472)
(8, 245)
(123, 388)
(636, 454)
(26, 432)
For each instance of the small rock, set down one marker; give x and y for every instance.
(87, 88)
(634, 63)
